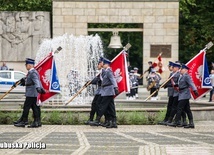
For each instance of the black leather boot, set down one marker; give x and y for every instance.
(96, 122)
(164, 122)
(174, 124)
(20, 120)
(190, 125)
(112, 124)
(20, 124)
(105, 124)
(179, 124)
(184, 123)
(88, 122)
(169, 121)
(39, 123)
(35, 124)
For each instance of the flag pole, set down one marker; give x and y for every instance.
(208, 46)
(88, 83)
(46, 58)
(85, 85)
(162, 85)
(17, 83)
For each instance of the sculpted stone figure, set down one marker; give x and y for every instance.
(40, 29)
(21, 34)
(9, 39)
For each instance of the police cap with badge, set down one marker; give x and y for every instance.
(183, 66)
(106, 61)
(176, 64)
(29, 61)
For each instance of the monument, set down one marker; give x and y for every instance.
(21, 33)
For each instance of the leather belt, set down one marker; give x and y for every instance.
(183, 88)
(106, 85)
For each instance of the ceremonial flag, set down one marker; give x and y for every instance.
(48, 77)
(120, 70)
(158, 64)
(200, 74)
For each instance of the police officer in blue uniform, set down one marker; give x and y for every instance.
(108, 91)
(32, 89)
(97, 98)
(184, 83)
(174, 82)
(170, 92)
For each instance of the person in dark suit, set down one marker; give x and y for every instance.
(184, 83)
(32, 89)
(108, 91)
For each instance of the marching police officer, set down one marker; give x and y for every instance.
(184, 83)
(170, 92)
(108, 91)
(97, 98)
(174, 82)
(33, 88)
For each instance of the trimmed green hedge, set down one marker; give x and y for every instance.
(78, 118)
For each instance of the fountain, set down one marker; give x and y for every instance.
(76, 63)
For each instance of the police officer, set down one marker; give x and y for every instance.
(108, 91)
(97, 97)
(33, 87)
(174, 82)
(170, 91)
(184, 83)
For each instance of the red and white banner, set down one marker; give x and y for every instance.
(200, 74)
(120, 70)
(48, 77)
(158, 64)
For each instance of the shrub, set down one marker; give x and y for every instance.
(77, 118)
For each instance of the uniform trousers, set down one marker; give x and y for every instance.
(169, 108)
(175, 107)
(107, 107)
(183, 105)
(30, 102)
(94, 106)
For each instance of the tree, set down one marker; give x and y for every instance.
(196, 28)
(26, 5)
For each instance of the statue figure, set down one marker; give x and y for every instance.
(40, 30)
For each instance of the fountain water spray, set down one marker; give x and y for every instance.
(76, 63)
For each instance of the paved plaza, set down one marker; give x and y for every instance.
(126, 140)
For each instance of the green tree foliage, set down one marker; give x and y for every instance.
(196, 28)
(26, 5)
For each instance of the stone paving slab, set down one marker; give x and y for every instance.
(126, 140)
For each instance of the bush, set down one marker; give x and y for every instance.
(77, 118)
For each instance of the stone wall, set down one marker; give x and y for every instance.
(160, 21)
(20, 35)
